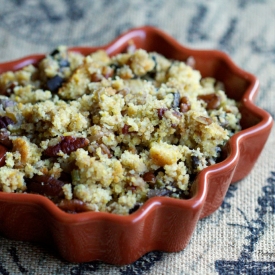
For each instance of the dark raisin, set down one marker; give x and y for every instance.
(212, 100)
(176, 100)
(53, 84)
(161, 112)
(45, 185)
(67, 145)
(73, 206)
(5, 121)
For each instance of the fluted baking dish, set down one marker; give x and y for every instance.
(162, 223)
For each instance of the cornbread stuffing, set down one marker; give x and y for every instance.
(100, 133)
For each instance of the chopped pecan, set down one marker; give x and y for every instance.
(184, 104)
(105, 150)
(149, 177)
(204, 120)
(213, 100)
(73, 206)
(45, 185)
(67, 145)
(95, 77)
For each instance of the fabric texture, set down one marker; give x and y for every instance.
(239, 237)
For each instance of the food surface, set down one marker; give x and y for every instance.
(100, 133)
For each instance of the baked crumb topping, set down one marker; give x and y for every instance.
(100, 133)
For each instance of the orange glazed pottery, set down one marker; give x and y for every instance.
(162, 223)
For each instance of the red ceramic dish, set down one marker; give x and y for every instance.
(162, 223)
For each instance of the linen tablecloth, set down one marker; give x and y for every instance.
(239, 237)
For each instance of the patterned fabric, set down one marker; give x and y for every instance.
(239, 237)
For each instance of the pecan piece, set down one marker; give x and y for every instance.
(149, 177)
(105, 150)
(67, 145)
(95, 77)
(213, 101)
(45, 185)
(184, 104)
(204, 120)
(73, 206)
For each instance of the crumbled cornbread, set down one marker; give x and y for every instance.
(104, 133)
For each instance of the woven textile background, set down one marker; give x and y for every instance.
(239, 237)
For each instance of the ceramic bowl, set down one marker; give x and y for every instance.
(162, 223)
